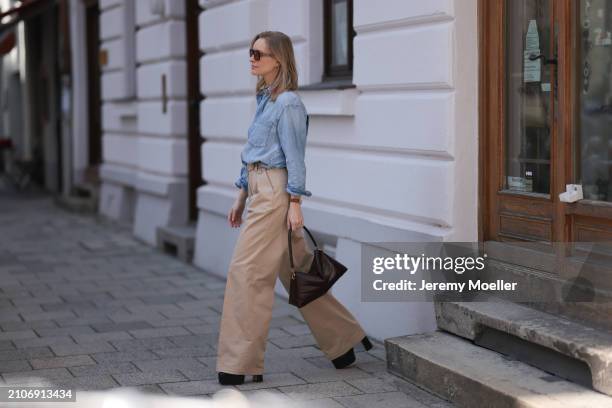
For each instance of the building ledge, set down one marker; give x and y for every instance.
(336, 84)
(329, 100)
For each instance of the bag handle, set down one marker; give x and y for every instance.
(291, 250)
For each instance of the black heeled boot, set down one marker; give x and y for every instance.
(236, 379)
(348, 358)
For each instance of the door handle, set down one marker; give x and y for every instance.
(164, 94)
(546, 61)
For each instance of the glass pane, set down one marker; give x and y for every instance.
(595, 110)
(528, 103)
(339, 33)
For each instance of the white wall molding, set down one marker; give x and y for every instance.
(161, 41)
(118, 174)
(108, 4)
(170, 9)
(330, 102)
(369, 15)
(415, 57)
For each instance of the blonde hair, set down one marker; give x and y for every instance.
(281, 48)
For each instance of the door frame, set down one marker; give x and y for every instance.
(94, 103)
(194, 98)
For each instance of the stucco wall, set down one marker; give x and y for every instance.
(144, 125)
(394, 159)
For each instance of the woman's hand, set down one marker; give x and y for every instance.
(234, 217)
(295, 219)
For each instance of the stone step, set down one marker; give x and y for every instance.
(177, 240)
(77, 204)
(541, 283)
(86, 190)
(566, 348)
(471, 376)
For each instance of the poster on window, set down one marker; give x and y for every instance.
(532, 71)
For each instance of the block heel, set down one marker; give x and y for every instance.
(366, 343)
(230, 379)
(349, 358)
(236, 379)
(344, 360)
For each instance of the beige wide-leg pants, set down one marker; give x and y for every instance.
(260, 256)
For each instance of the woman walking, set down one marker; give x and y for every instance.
(272, 181)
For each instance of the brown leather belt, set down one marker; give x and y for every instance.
(257, 165)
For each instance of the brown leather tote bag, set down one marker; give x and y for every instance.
(324, 272)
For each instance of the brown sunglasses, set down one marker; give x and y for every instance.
(258, 54)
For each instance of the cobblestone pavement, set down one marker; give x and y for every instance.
(84, 304)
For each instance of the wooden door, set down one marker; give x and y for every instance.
(519, 126)
(545, 122)
(548, 122)
(588, 118)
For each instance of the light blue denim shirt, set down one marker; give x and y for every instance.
(277, 138)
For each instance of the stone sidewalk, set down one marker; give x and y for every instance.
(84, 304)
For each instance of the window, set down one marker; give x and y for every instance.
(338, 39)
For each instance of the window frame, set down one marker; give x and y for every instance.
(337, 72)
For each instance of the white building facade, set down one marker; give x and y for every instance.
(392, 157)
(143, 110)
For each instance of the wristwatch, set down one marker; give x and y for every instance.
(295, 200)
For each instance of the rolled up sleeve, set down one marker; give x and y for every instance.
(243, 181)
(292, 131)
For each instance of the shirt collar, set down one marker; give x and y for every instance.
(263, 93)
